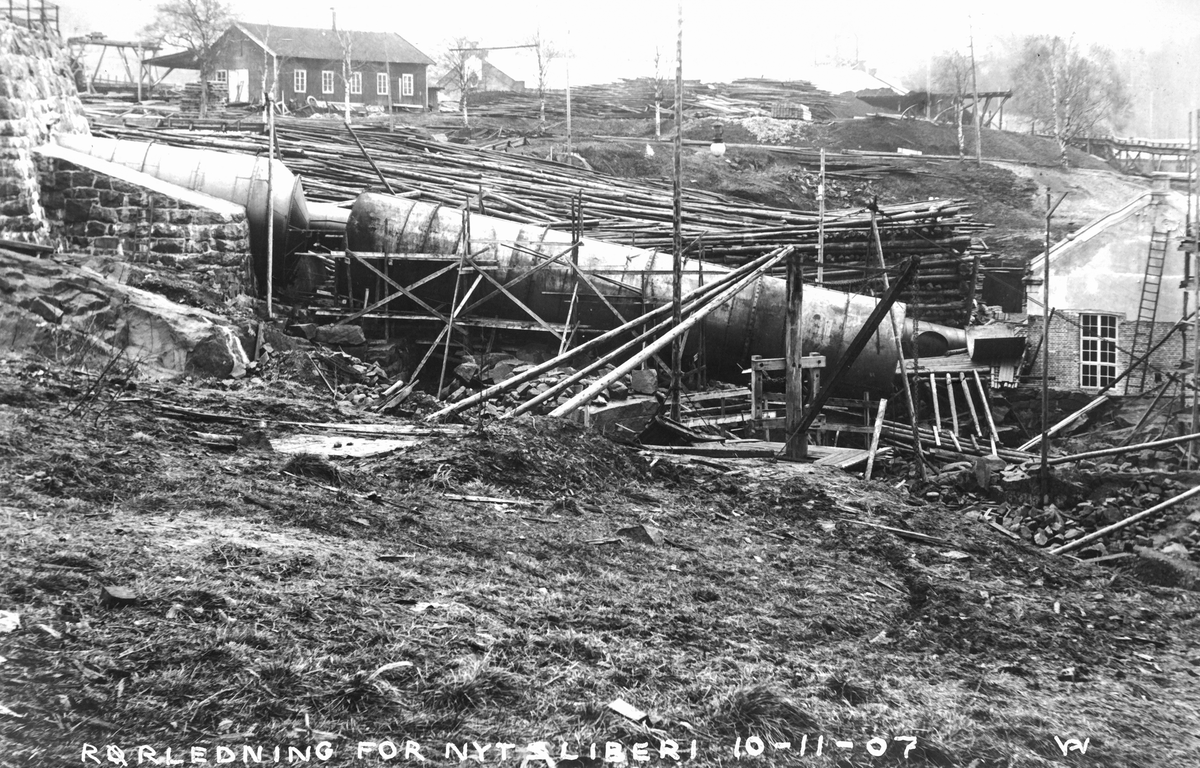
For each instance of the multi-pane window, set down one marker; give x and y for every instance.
(326, 81)
(222, 75)
(406, 85)
(381, 83)
(300, 81)
(1097, 351)
(356, 82)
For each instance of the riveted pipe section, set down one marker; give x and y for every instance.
(753, 323)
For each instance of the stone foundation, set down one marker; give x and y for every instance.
(89, 212)
(37, 96)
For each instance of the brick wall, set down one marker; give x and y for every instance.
(93, 213)
(1064, 343)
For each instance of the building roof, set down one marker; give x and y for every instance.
(307, 43)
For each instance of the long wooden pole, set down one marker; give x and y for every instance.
(855, 348)
(908, 395)
(1125, 449)
(821, 223)
(602, 383)
(975, 97)
(520, 378)
(1044, 496)
(1195, 339)
(677, 222)
(270, 203)
(797, 443)
(1126, 522)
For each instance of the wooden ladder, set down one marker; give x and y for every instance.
(1143, 329)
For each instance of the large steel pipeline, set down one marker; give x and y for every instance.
(634, 279)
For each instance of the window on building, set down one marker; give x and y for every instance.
(406, 85)
(381, 83)
(222, 75)
(1097, 351)
(326, 81)
(356, 82)
(300, 81)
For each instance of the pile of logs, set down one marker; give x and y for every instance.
(637, 97)
(631, 211)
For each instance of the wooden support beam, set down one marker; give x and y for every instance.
(937, 410)
(953, 412)
(796, 446)
(875, 438)
(856, 346)
(962, 381)
(537, 318)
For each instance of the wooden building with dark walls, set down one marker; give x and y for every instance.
(384, 68)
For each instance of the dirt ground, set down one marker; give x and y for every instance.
(305, 603)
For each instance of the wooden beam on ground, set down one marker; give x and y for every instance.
(875, 438)
(937, 410)
(1126, 522)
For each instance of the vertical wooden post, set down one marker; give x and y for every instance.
(677, 221)
(821, 223)
(975, 104)
(462, 260)
(797, 444)
(271, 204)
(1043, 497)
(1195, 334)
(875, 438)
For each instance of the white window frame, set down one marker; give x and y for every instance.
(406, 84)
(1098, 336)
(327, 81)
(222, 76)
(381, 84)
(300, 81)
(356, 83)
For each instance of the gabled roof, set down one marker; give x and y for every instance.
(307, 43)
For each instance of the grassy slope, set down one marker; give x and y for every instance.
(271, 607)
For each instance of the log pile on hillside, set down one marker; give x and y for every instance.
(636, 98)
(635, 212)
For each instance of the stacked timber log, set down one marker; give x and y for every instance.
(635, 212)
(189, 103)
(636, 97)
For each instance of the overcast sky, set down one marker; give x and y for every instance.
(722, 40)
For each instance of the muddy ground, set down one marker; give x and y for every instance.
(277, 601)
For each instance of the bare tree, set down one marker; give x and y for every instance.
(463, 61)
(546, 53)
(195, 25)
(1074, 92)
(347, 69)
(951, 71)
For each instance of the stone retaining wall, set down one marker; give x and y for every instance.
(90, 212)
(37, 95)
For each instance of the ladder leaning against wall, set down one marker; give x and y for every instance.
(1143, 329)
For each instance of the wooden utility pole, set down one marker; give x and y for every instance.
(1196, 330)
(1044, 497)
(821, 223)
(797, 439)
(270, 202)
(975, 102)
(677, 222)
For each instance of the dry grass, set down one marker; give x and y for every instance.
(274, 611)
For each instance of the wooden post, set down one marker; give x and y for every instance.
(466, 246)
(821, 223)
(677, 223)
(896, 330)
(937, 410)
(797, 440)
(1195, 341)
(1045, 466)
(875, 438)
(271, 204)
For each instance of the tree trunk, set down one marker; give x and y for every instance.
(959, 112)
(1059, 128)
(204, 90)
